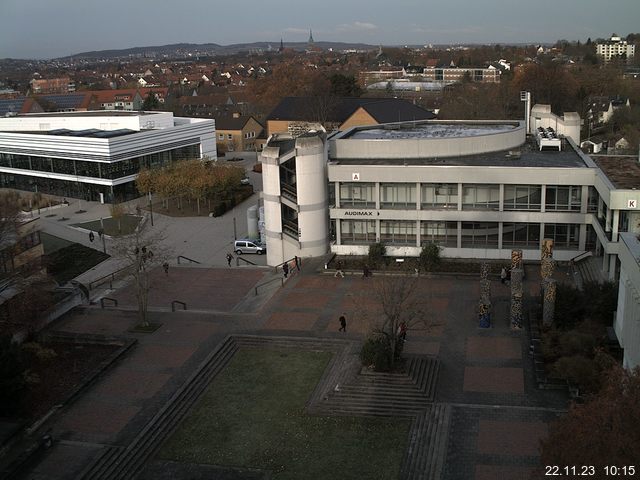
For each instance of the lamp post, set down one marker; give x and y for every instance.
(151, 208)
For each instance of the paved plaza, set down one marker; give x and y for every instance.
(486, 377)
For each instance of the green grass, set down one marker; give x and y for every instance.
(68, 262)
(127, 225)
(52, 243)
(252, 416)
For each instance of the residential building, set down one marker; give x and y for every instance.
(22, 250)
(615, 47)
(458, 74)
(96, 155)
(52, 85)
(297, 115)
(238, 132)
(477, 188)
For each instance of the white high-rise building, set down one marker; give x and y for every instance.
(615, 47)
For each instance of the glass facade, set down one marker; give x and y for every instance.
(522, 197)
(565, 235)
(479, 234)
(444, 234)
(439, 195)
(480, 197)
(398, 232)
(563, 198)
(357, 195)
(355, 232)
(521, 235)
(398, 195)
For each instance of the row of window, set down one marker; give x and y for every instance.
(472, 234)
(113, 170)
(247, 135)
(403, 196)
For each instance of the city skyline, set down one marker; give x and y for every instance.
(41, 29)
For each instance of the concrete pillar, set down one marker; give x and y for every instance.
(459, 239)
(615, 225)
(543, 200)
(501, 196)
(376, 192)
(584, 199)
(612, 267)
(459, 197)
(338, 231)
(418, 196)
(582, 239)
(336, 187)
(607, 226)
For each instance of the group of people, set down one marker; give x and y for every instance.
(295, 265)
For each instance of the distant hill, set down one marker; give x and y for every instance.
(214, 49)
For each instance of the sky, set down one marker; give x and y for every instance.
(54, 28)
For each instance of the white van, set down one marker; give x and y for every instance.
(248, 246)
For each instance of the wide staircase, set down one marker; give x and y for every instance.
(589, 270)
(344, 389)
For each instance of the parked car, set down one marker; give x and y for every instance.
(248, 246)
(245, 181)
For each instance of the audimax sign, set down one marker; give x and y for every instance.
(360, 213)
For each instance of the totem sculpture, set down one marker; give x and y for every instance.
(549, 301)
(548, 285)
(516, 259)
(517, 275)
(484, 307)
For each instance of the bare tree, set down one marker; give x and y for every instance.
(141, 252)
(401, 307)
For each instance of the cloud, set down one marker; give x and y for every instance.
(356, 27)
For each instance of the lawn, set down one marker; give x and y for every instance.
(252, 416)
(111, 226)
(68, 262)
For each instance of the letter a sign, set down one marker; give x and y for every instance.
(632, 204)
(355, 177)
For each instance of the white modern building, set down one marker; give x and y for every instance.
(477, 188)
(615, 47)
(627, 320)
(96, 155)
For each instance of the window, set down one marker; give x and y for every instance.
(358, 195)
(563, 198)
(358, 231)
(439, 195)
(521, 235)
(522, 197)
(565, 236)
(229, 136)
(592, 202)
(398, 232)
(398, 195)
(443, 233)
(479, 234)
(221, 136)
(481, 197)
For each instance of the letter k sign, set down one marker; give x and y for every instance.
(355, 177)
(632, 204)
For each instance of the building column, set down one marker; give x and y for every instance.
(418, 242)
(614, 227)
(500, 230)
(459, 239)
(501, 201)
(543, 201)
(459, 201)
(418, 196)
(584, 199)
(377, 231)
(612, 267)
(607, 225)
(541, 233)
(336, 193)
(338, 231)
(376, 192)
(582, 238)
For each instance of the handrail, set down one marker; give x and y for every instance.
(111, 276)
(268, 282)
(173, 305)
(577, 258)
(115, 302)
(187, 258)
(286, 261)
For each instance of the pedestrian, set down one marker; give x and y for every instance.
(402, 331)
(297, 262)
(285, 269)
(165, 265)
(365, 271)
(339, 272)
(229, 258)
(100, 233)
(343, 324)
(503, 275)
(91, 236)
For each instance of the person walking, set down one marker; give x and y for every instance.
(285, 269)
(297, 262)
(339, 272)
(229, 258)
(503, 275)
(343, 324)
(165, 265)
(365, 271)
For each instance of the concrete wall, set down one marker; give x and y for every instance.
(567, 125)
(627, 319)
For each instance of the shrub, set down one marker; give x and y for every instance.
(219, 209)
(376, 352)
(12, 377)
(430, 256)
(377, 252)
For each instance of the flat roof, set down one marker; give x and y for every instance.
(623, 172)
(429, 130)
(90, 113)
(527, 155)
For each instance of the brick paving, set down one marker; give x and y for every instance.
(498, 413)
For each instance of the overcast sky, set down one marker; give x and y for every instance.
(54, 28)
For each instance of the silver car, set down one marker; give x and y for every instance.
(248, 246)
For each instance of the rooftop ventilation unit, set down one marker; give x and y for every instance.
(547, 137)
